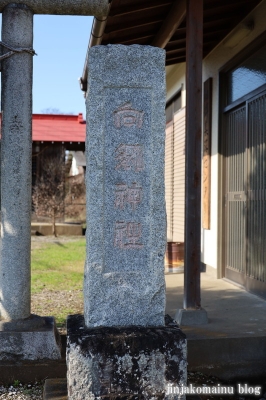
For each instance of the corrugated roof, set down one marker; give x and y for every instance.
(58, 128)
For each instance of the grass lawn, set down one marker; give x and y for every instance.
(57, 268)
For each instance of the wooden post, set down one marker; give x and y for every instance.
(192, 302)
(193, 153)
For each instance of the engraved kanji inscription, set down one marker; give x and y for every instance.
(127, 116)
(120, 234)
(120, 195)
(129, 157)
(127, 235)
(127, 195)
(134, 231)
(134, 195)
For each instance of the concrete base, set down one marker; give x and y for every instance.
(31, 371)
(46, 229)
(191, 317)
(55, 389)
(170, 269)
(35, 338)
(125, 362)
(224, 358)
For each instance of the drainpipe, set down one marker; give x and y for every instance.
(97, 32)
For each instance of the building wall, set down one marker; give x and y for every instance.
(211, 251)
(175, 176)
(179, 176)
(175, 81)
(168, 178)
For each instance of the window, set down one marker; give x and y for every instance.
(246, 77)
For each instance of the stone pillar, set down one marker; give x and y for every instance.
(0, 200)
(126, 234)
(22, 336)
(17, 31)
(97, 8)
(122, 347)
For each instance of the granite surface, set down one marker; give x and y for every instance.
(125, 363)
(34, 338)
(16, 153)
(126, 222)
(64, 7)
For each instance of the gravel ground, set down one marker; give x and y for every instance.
(37, 241)
(49, 303)
(22, 392)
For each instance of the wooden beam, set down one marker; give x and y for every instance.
(177, 60)
(193, 154)
(214, 5)
(155, 13)
(180, 32)
(139, 40)
(172, 45)
(225, 9)
(137, 6)
(214, 35)
(171, 23)
(177, 51)
(126, 24)
(131, 34)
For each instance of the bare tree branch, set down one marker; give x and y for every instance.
(49, 191)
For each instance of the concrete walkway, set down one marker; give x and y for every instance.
(233, 344)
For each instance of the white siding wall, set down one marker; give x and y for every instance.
(179, 176)
(175, 177)
(169, 152)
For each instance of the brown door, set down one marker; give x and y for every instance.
(244, 148)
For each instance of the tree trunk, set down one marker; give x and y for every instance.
(54, 227)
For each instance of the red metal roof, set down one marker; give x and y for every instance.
(58, 128)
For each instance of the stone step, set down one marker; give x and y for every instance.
(55, 389)
(31, 371)
(34, 371)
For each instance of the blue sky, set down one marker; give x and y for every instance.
(61, 44)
